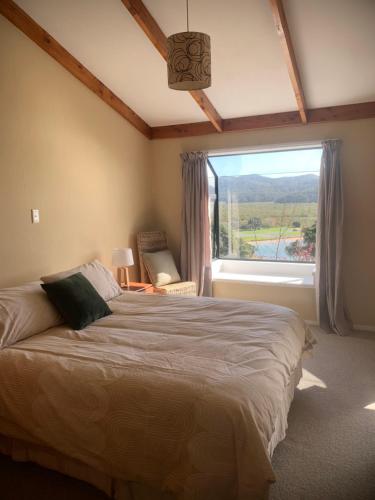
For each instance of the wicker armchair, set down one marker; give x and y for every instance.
(154, 241)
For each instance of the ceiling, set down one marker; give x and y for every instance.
(334, 43)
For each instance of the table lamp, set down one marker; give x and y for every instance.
(122, 258)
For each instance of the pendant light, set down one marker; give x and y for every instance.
(189, 59)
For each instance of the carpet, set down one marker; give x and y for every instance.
(329, 451)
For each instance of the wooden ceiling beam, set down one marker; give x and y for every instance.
(11, 11)
(151, 28)
(262, 121)
(289, 55)
(229, 125)
(183, 130)
(292, 118)
(344, 112)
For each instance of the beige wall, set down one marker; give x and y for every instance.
(64, 151)
(358, 161)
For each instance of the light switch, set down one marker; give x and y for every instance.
(35, 215)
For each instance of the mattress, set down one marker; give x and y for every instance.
(186, 396)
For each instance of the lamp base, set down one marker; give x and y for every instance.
(120, 276)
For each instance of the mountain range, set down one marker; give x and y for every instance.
(259, 188)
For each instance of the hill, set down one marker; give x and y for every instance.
(258, 188)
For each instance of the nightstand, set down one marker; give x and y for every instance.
(138, 287)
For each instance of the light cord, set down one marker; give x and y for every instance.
(187, 14)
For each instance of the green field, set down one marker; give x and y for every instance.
(257, 228)
(275, 218)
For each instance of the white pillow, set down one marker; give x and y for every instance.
(99, 276)
(25, 311)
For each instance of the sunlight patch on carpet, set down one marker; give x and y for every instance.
(309, 380)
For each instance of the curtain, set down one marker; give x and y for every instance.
(332, 313)
(195, 241)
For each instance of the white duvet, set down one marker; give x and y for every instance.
(180, 393)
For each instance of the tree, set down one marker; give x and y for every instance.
(293, 248)
(247, 250)
(223, 240)
(304, 250)
(254, 223)
(309, 234)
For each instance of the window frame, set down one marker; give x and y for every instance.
(216, 223)
(215, 226)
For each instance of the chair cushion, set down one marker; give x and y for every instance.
(186, 288)
(161, 268)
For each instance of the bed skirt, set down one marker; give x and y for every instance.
(24, 451)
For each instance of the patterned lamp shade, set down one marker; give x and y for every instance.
(189, 61)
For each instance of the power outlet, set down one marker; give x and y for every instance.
(35, 218)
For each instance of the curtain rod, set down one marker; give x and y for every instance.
(268, 147)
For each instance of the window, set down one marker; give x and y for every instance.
(263, 205)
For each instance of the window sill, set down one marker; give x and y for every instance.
(264, 273)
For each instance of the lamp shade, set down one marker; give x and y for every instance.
(122, 257)
(189, 61)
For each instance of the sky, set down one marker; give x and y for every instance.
(270, 164)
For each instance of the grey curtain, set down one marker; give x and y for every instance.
(332, 311)
(195, 241)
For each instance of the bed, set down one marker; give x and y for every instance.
(167, 398)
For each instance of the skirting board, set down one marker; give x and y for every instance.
(359, 328)
(364, 328)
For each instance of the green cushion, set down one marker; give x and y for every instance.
(76, 300)
(161, 268)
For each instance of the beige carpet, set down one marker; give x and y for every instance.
(329, 452)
